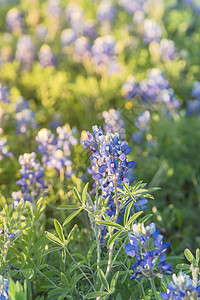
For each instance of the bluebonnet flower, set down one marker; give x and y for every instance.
(146, 245)
(130, 88)
(14, 20)
(109, 165)
(25, 118)
(41, 31)
(196, 90)
(193, 107)
(142, 120)
(152, 31)
(32, 178)
(114, 122)
(3, 148)
(4, 94)
(46, 57)
(138, 17)
(68, 36)
(54, 9)
(82, 48)
(181, 288)
(131, 6)
(89, 29)
(4, 285)
(103, 53)
(25, 51)
(105, 11)
(75, 17)
(167, 49)
(56, 151)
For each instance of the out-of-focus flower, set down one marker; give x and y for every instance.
(105, 11)
(32, 178)
(14, 20)
(4, 94)
(25, 117)
(4, 285)
(75, 17)
(152, 31)
(167, 49)
(46, 57)
(68, 36)
(53, 8)
(114, 122)
(25, 51)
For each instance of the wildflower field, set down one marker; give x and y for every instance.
(99, 149)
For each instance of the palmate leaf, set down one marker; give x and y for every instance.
(77, 195)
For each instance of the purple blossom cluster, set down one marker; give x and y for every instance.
(193, 106)
(105, 11)
(4, 94)
(3, 148)
(155, 89)
(32, 179)
(109, 166)
(25, 51)
(133, 6)
(56, 150)
(54, 8)
(25, 117)
(147, 247)
(113, 122)
(46, 57)
(181, 288)
(103, 54)
(4, 286)
(14, 20)
(152, 31)
(167, 49)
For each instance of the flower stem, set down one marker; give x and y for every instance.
(154, 287)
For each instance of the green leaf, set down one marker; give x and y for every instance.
(95, 294)
(103, 279)
(114, 280)
(59, 230)
(189, 255)
(113, 238)
(70, 217)
(70, 235)
(197, 256)
(84, 193)
(64, 279)
(182, 266)
(145, 218)
(68, 207)
(52, 250)
(28, 273)
(127, 212)
(111, 224)
(134, 217)
(77, 195)
(53, 238)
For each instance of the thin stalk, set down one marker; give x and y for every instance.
(80, 269)
(98, 230)
(154, 287)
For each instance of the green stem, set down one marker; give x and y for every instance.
(154, 287)
(80, 269)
